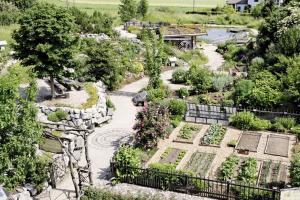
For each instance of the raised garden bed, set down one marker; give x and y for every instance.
(228, 167)
(188, 133)
(248, 171)
(248, 141)
(272, 173)
(172, 156)
(200, 163)
(213, 136)
(278, 145)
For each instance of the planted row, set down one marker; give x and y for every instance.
(214, 135)
(228, 167)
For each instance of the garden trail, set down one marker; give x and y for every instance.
(215, 60)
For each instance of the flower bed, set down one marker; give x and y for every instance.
(214, 135)
(188, 133)
(172, 156)
(200, 163)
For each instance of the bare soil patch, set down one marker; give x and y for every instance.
(278, 145)
(248, 141)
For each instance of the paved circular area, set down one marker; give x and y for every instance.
(110, 138)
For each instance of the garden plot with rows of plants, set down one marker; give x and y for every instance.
(200, 163)
(188, 133)
(214, 135)
(172, 156)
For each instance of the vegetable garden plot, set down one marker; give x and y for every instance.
(278, 145)
(172, 156)
(214, 135)
(188, 133)
(272, 173)
(248, 141)
(200, 163)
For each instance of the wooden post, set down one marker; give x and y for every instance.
(87, 157)
(71, 170)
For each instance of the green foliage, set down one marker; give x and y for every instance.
(179, 76)
(284, 124)
(292, 79)
(221, 81)
(214, 135)
(227, 168)
(242, 91)
(46, 39)
(183, 93)
(125, 157)
(248, 171)
(127, 10)
(8, 13)
(110, 104)
(200, 78)
(20, 133)
(106, 194)
(22, 4)
(23, 74)
(248, 121)
(289, 42)
(57, 116)
(95, 23)
(194, 57)
(295, 167)
(155, 95)
(188, 130)
(142, 8)
(152, 124)
(175, 120)
(154, 59)
(104, 64)
(93, 96)
(256, 11)
(177, 107)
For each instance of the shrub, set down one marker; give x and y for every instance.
(175, 120)
(152, 124)
(228, 102)
(110, 104)
(200, 79)
(93, 99)
(57, 116)
(194, 57)
(221, 81)
(126, 156)
(177, 107)
(183, 93)
(248, 121)
(284, 123)
(157, 94)
(179, 76)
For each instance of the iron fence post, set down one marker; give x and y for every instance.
(227, 189)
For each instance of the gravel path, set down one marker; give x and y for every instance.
(215, 60)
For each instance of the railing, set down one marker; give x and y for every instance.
(182, 183)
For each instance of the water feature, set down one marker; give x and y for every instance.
(218, 35)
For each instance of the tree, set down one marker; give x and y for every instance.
(242, 91)
(47, 40)
(289, 43)
(154, 60)
(22, 4)
(104, 64)
(20, 134)
(142, 8)
(127, 10)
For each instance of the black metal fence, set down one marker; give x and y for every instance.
(205, 113)
(203, 187)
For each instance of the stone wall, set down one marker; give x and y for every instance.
(83, 118)
(290, 194)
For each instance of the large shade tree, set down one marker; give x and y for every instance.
(47, 40)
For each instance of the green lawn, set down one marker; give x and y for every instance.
(5, 32)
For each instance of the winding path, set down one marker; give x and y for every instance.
(215, 60)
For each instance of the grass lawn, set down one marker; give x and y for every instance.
(5, 32)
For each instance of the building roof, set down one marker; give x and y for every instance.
(237, 1)
(183, 30)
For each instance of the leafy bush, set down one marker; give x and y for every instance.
(188, 130)
(284, 123)
(125, 157)
(175, 120)
(93, 96)
(183, 93)
(152, 124)
(200, 78)
(106, 194)
(158, 94)
(57, 116)
(110, 104)
(248, 171)
(221, 81)
(227, 168)
(177, 107)
(248, 121)
(179, 76)
(194, 57)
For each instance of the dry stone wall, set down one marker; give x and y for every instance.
(83, 118)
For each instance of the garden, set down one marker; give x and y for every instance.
(188, 133)
(214, 135)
